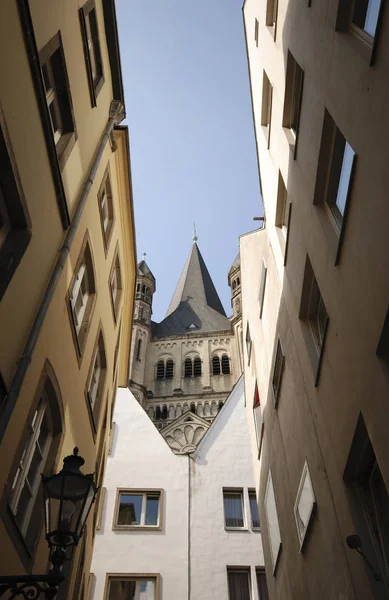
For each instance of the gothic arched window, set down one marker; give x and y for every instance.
(164, 412)
(193, 408)
(169, 369)
(188, 367)
(215, 365)
(161, 369)
(226, 365)
(197, 367)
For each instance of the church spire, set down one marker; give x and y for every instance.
(194, 237)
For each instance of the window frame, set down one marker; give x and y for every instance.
(283, 215)
(362, 41)
(94, 409)
(294, 91)
(267, 105)
(106, 231)
(261, 571)
(144, 492)
(262, 288)
(278, 371)
(116, 299)
(302, 533)
(272, 17)
(249, 344)
(240, 492)
(62, 95)
(239, 570)
(259, 423)
(251, 492)
(256, 32)
(276, 547)
(84, 14)
(130, 577)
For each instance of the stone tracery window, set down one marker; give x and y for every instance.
(165, 369)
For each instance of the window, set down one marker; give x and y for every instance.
(37, 455)
(365, 15)
(216, 365)
(278, 371)
(96, 379)
(197, 367)
(193, 408)
(82, 295)
(334, 174)
(115, 285)
(315, 318)
(58, 98)
(293, 99)
(262, 584)
(305, 504)
(256, 28)
(161, 369)
(262, 286)
(273, 528)
(283, 214)
(267, 99)
(138, 508)
(226, 365)
(188, 367)
(14, 219)
(116, 353)
(138, 349)
(233, 509)
(106, 208)
(254, 510)
(238, 583)
(90, 38)
(258, 419)
(133, 587)
(248, 344)
(371, 497)
(383, 345)
(271, 15)
(169, 369)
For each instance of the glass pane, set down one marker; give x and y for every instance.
(152, 509)
(125, 590)
(254, 510)
(238, 585)
(35, 467)
(262, 585)
(130, 509)
(272, 520)
(147, 590)
(344, 181)
(233, 509)
(305, 504)
(372, 13)
(46, 77)
(23, 504)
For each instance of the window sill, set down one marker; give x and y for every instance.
(137, 527)
(236, 529)
(256, 530)
(360, 42)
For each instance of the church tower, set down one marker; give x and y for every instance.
(183, 368)
(236, 304)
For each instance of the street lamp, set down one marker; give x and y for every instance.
(68, 497)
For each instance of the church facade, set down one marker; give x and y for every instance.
(190, 361)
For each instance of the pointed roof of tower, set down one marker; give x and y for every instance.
(144, 269)
(195, 305)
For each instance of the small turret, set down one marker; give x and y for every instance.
(236, 303)
(145, 289)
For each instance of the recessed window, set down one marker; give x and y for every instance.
(14, 220)
(197, 367)
(225, 365)
(93, 60)
(271, 15)
(96, 380)
(256, 29)
(293, 99)
(82, 295)
(334, 174)
(278, 372)
(106, 208)
(315, 318)
(248, 344)
(283, 214)
(169, 369)
(161, 369)
(188, 368)
(216, 365)
(238, 583)
(267, 100)
(254, 510)
(115, 285)
(258, 419)
(233, 509)
(138, 349)
(273, 528)
(116, 354)
(58, 98)
(165, 369)
(365, 15)
(305, 504)
(262, 286)
(132, 587)
(262, 584)
(138, 509)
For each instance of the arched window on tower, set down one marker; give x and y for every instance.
(237, 281)
(157, 413)
(161, 369)
(188, 367)
(193, 408)
(164, 412)
(197, 367)
(220, 405)
(169, 369)
(226, 365)
(233, 285)
(138, 349)
(215, 365)
(137, 288)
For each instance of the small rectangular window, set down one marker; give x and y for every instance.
(233, 509)
(115, 285)
(58, 97)
(132, 587)
(93, 59)
(365, 15)
(267, 100)
(248, 344)
(305, 504)
(278, 371)
(293, 99)
(262, 584)
(238, 583)
(256, 29)
(271, 15)
(273, 528)
(96, 379)
(258, 419)
(138, 509)
(106, 208)
(262, 287)
(254, 510)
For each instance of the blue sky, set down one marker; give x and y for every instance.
(191, 133)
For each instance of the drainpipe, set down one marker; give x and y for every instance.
(116, 113)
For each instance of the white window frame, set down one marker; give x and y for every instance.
(272, 524)
(237, 492)
(251, 492)
(239, 571)
(278, 371)
(150, 493)
(79, 295)
(138, 579)
(95, 376)
(305, 489)
(317, 316)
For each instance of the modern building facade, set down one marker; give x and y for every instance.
(190, 361)
(67, 261)
(315, 289)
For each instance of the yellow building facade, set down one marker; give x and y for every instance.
(67, 261)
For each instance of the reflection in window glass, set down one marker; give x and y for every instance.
(130, 509)
(152, 508)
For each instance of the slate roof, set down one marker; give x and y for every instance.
(235, 264)
(195, 302)
(144, 269)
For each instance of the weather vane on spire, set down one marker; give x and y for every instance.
(144, 256)
(194, 236)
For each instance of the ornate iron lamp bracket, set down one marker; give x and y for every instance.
(31, 587)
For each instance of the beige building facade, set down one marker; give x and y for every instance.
(67, 261)
(315, 289)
